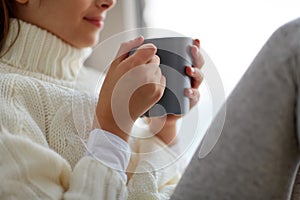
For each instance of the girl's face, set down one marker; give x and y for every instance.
(77, 22)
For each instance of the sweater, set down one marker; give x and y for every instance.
(48, 100)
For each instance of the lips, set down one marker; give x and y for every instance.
(96, 21)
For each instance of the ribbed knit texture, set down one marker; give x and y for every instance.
(42, 55)
(46, 114)
(41, 52)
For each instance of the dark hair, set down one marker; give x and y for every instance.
(6, 12)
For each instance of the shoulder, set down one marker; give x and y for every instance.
(13, 78)
(11, 83)
(24, 84)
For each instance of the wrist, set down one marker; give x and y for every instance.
(164, 128)
(108, 123)
(168, 134)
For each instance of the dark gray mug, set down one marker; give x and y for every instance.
(174, 53)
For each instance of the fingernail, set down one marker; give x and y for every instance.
(138, 38)
(190, 92)
(197, 41)
(193, 70)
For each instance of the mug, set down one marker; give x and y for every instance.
(175, 55)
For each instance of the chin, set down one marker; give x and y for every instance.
(86, 43)
(90, 42)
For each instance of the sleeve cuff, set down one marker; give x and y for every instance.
(111, 150)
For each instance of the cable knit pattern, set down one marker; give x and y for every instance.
(46, 117)
(33, 102)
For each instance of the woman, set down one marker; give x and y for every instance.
(45, 118)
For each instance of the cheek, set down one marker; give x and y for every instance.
(68, 11)
(70, 25)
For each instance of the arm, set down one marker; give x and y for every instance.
(132, 85)
(32, 170)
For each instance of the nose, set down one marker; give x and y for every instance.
(105, 4)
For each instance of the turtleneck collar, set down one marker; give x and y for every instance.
(36, 50)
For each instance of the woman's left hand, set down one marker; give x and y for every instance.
(195, 74)
(165, 127)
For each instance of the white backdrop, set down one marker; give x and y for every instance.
(231, 32)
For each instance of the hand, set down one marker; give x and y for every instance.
(132, 85)
(165, 127)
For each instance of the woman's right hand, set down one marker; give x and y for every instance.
(132, 85)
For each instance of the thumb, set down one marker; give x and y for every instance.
(126, 47)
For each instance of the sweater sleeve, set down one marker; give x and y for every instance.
(33, 172)
(29, 169)
(110, 149)
(155, 168)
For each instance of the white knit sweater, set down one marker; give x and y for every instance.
(46, 115)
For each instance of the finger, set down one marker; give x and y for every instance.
(163, 81)
(126, 47)
(155, 61)
(196, 76)
(197, 43)
(193, 95)
(143, 55)
(198, 60)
